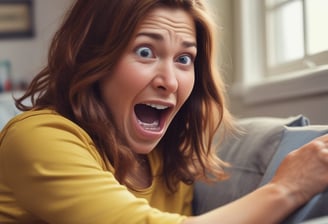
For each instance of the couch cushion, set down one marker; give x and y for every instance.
(249, 155)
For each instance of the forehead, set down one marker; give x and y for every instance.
(170, 20)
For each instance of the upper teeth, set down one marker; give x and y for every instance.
(158, 107)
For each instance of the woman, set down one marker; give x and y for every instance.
(121, 124)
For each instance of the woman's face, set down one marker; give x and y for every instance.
(153, 78)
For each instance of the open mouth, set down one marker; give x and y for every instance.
(150, 116)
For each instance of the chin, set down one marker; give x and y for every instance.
(143, 148)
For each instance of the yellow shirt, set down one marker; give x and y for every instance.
(51, 172)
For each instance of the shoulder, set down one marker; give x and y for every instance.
(44, 136)
(43, 123)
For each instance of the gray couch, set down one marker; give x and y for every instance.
(254, 156)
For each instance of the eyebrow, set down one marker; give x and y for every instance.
(159, 37)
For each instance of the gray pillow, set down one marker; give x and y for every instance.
(293, 138)
(249, 155)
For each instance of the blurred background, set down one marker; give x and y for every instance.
(273, 53)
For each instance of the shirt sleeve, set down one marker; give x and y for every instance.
(53, 173)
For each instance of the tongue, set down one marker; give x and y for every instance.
(146, 114)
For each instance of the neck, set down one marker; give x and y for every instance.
(141, 174)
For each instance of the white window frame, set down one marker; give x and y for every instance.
(253, 84)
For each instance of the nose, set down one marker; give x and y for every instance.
(166, 78)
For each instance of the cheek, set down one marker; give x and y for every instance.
(186, 86)
(123, 77)
(130, 76)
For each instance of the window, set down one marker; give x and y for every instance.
(281, 49)
(296, 34)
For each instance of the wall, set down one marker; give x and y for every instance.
(314, 107)
(27, 56)
(222, 10)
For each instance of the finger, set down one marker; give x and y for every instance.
(324, 139)
(322, 148)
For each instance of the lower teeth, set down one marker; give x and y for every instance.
(149, 126)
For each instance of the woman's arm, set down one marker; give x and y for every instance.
(301, 175)
(267, 204)
(53, 173)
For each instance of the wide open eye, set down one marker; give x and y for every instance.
(184, 59)
(144, 52)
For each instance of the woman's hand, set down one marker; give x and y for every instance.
(304, 172)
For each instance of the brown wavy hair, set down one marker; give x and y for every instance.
(85, 49)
